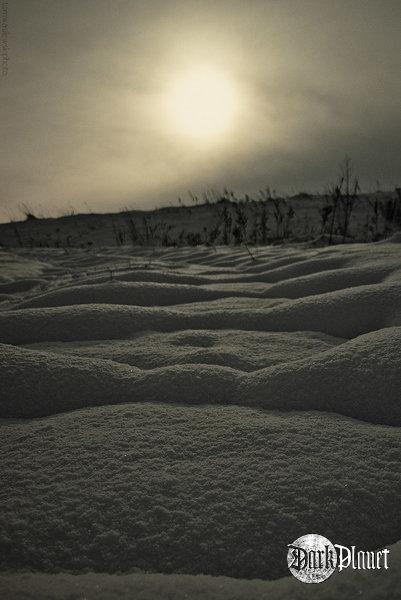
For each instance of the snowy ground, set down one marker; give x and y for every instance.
(183, 412)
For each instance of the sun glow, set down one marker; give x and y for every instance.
(203, 104)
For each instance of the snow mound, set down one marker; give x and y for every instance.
(212, 490)
(295, 269)
(19, 286)
(39, 383)
(344, 313)
(22, 265)
(137, 293)
(163, 277)
(360, 378)
(5, 297)
(332, 280)
(243, 350)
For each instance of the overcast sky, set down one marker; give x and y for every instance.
(83, 99)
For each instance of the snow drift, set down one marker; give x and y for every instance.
(344, 313)
(360, 378)
(201, 489)
(195, 413)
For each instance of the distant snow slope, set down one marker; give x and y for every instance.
(113, 348)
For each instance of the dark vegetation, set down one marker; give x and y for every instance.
(342, 214)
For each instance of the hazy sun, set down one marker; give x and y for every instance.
(203, 103)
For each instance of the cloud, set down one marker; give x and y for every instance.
(82, 124)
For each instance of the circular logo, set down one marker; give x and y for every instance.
(312, 558)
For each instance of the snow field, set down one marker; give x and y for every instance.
(173, 418)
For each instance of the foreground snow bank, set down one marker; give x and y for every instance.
(212, 490)
(360, 378)
(369, 585)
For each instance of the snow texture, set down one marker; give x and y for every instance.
(180, 489)
(369, 585)
(39, 383)
(191, 412)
